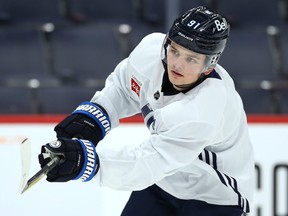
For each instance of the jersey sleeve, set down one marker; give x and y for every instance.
(120, 96)
(114, 97)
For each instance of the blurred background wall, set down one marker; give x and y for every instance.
(56, 53)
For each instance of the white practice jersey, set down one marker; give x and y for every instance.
(199, 147)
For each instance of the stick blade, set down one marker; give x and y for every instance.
(25, 151)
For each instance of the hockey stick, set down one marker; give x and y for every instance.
(41, 173)
(26, 160)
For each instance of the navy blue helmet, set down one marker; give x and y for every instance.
(201, 30)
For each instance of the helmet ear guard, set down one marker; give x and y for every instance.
(211, 61)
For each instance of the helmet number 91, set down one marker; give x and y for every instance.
(193, 23)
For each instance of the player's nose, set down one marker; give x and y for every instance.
(178, 65)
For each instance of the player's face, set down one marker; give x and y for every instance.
(184, 66)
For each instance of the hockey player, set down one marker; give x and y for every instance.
(198, 160)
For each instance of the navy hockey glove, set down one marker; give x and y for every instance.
(79, 160)
(88, 121)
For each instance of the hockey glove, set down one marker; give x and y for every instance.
(79, 160)
(89, 121)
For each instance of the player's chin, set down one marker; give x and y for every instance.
(177, 84)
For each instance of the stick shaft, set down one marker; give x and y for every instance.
(41, 173)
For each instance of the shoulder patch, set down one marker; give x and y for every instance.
(136, 85)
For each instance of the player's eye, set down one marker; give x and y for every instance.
(191, 60)
(173, 51)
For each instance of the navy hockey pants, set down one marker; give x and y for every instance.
(153, 201)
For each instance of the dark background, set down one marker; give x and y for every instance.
(55, 54)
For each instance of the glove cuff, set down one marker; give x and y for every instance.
(90, 161)
(97, 114)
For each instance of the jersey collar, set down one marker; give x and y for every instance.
(168, 89)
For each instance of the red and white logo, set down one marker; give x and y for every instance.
(135, 85)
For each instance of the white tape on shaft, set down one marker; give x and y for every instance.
(25, 151)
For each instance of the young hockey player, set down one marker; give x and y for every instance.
(198, 159)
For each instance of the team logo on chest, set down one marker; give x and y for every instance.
(136, 85)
